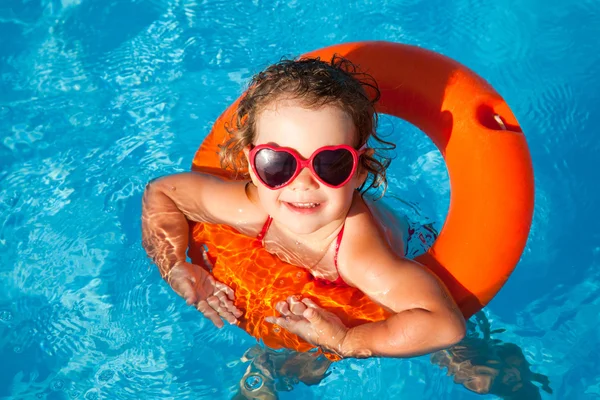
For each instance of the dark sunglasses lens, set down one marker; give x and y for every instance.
(333, 166)
(275, 168)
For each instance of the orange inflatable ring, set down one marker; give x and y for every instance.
(491, 202)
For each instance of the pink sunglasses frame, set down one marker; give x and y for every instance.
(302, 163)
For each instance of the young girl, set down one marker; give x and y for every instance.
(302, 130)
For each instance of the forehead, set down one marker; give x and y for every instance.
(288, 123)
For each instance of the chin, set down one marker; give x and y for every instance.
(302, 228)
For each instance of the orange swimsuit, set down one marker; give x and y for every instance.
(260, 279)
(339, 281)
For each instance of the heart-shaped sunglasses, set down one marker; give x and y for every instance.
(277, 167)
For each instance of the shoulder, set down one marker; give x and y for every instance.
(211, 199)
(368, 232)
(370, 265)
(240, 206)
(364, 243)
(370, 261)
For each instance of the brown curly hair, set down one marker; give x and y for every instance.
(315, 83)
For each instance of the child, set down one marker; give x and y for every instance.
(303, 127)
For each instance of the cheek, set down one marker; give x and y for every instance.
(342, 196)
(267, 197)
(360, 177)
(253, 177)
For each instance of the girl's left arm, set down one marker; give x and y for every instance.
(426, 317)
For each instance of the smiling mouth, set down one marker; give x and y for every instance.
(302, 207)
(305, 205)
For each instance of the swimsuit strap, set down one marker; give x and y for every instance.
(339, 281)
(264, 229)
(337, 248)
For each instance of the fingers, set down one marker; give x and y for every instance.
(312, 315)
(221, 287)
(212, 298)
(312, 311)
(310, 303)
(292, 311)
(283, 308)
(292, 306)
(228, 305)
(210, 313)
(225, 295)
(221, 309)
(220, 304)
(214, 310)
(296, 306)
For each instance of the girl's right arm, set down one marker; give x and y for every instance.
(167, 204)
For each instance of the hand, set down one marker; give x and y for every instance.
(197, 286)
(312, 323)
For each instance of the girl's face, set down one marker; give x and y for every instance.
(306, 205)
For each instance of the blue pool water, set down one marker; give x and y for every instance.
(97, 97)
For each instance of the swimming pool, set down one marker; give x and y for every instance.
(98, 97)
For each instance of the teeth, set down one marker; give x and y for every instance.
(305, 205)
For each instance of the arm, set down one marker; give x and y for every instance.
(170, 201)
(167, 205)
(426, 318)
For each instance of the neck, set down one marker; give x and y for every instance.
(323, 236)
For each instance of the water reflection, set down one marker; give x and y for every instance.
(490, 366)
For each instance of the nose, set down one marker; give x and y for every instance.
(304, 181)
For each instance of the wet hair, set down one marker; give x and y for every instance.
(314, 83)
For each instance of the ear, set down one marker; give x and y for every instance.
(362, 172)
